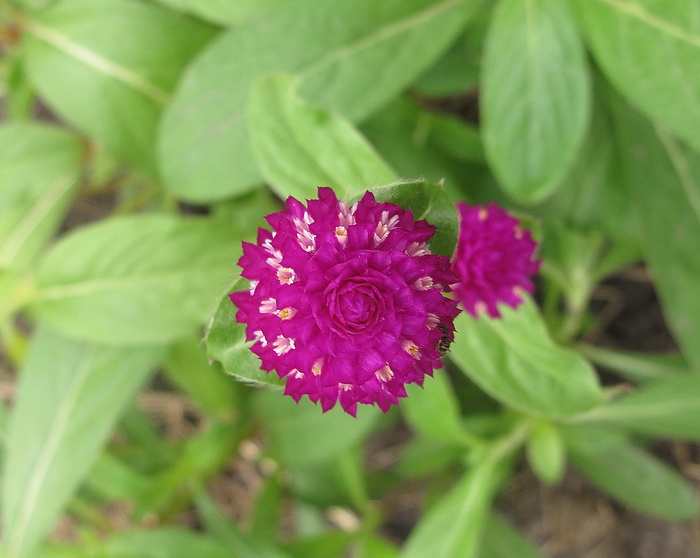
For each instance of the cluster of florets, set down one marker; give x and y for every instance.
(493, 260)
(348, 303)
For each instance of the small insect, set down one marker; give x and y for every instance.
(443, 345)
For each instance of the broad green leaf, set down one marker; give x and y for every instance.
(224, 12)
(515, 361)
(301, 435)
(662, 176)
(300, 147)
(668, 408)
(78, 57)
(433, 409)
(650, 50)
(454, 526)
(39, 167)
(592, 195)
(631, 475)
(69, 397)
(204, 148)
(503, 541)
(187, 367)
(165, 542)
(545, 452)
(421, 143)
(535, 95)
(457, 71)
(226, 343)
(112, 479)
(138, 279)
(426, 201)
(640, 367)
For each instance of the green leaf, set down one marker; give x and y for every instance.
(668, 408)
(111, 88)
(187, 367)
(204, 149)
(515, 361)
(630, 475)
(170, 490)
(536, 95)
(426, 201)
(39, 167)
(663, 180)
(226, 343)
(421, 143)
(164, 542)
(225, 531)
(453, 527)
(545, 452)
(640, 367)
(223, 12)
(138, 279)
(650, 50)
(69, 397)
(503, 541)
(433, 410)
(301, 435)
(592, 195)
(300, 147)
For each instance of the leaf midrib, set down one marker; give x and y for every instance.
(93, 286)
(47, 454)
(635, 11)
(97, 62)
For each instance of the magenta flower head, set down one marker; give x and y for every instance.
(493, 259)
(346, 302)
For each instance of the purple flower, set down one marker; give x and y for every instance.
(346, 302)
(493, 259)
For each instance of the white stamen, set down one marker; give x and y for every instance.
(424, 283)
(346, 215)
(384, 374)
(345, 387)
(384, 227)
(411, 348)
(253, 285)
(317, 367)
(268, 306)
(418, 249)
(286, 313)
(432, 320)
(307, 241)
(276, 259)
(260, 336)
(341, 234)
(286, 275)
(297, 374)
(282, 345)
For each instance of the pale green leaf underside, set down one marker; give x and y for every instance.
(300, 147)
(515, 361)
(536, 95)
(204, 146)
(650, 50)
(69, 396)
(139, 279)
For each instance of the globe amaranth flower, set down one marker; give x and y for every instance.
(346, 302)
(493, 259)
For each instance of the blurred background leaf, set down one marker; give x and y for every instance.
(113, 89)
